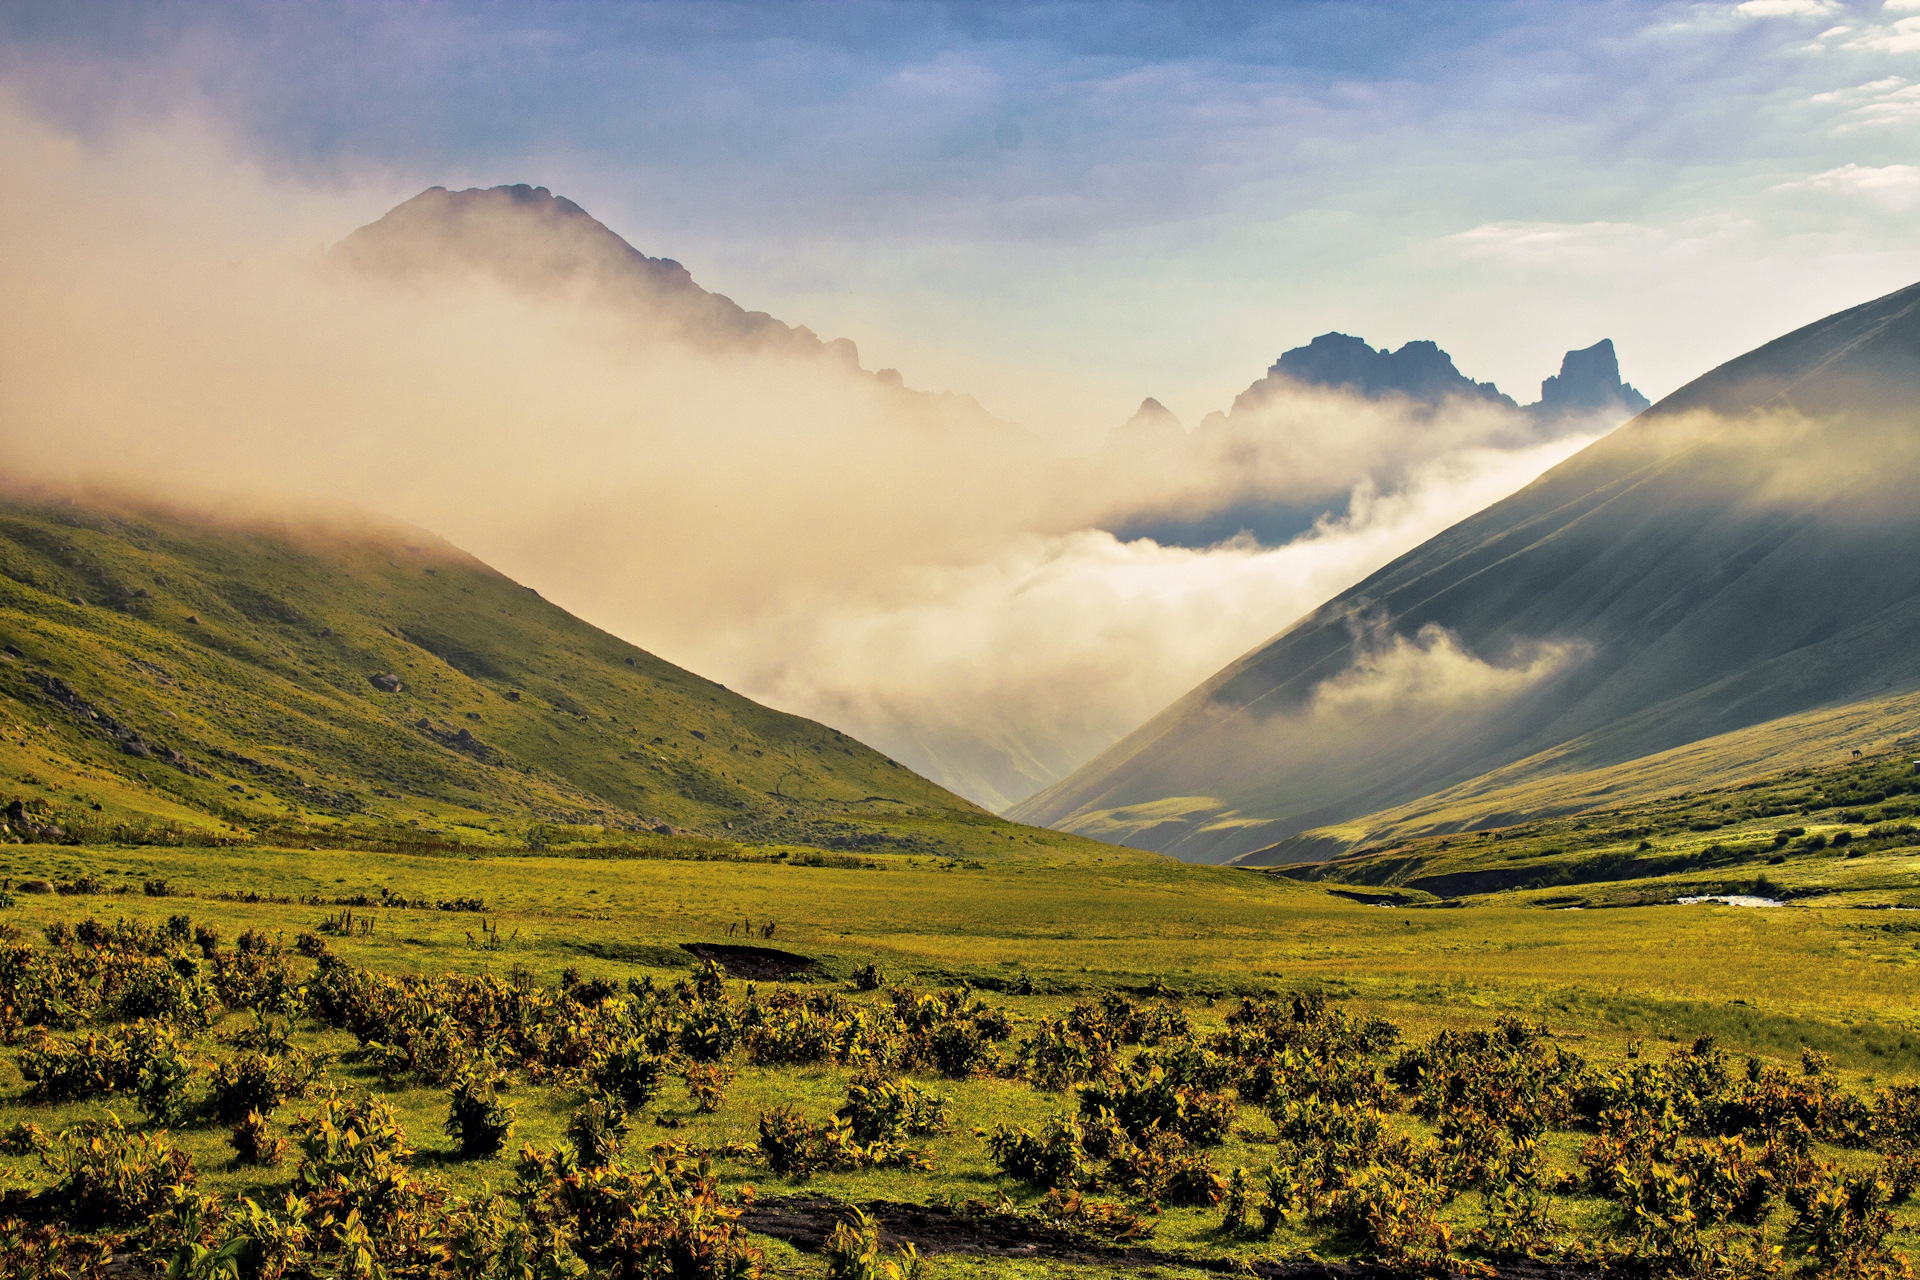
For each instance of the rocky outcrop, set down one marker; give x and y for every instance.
(1588, 382)
(1419, 371)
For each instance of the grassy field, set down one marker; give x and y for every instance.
(1768, 982)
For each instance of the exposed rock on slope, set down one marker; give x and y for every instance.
(1744, 550)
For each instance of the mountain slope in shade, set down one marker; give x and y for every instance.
(1744, 550)
(344, 684)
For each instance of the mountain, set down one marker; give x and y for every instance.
(1419, 371)
(1744, 550)
(1588, 382)
(1152, 427)
(540, 244)
(1288, 456)
(168, 676)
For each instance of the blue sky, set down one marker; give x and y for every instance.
(1066, 207)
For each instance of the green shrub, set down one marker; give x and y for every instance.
(852, 1250)
(890, 1110)
(108, 1175)
(64, 1070)
(667, 1220)
(1143, 1101)
(352, 1162)
(794, 1146)
(1162, 1169)
(1050, 1158)
(630, 1072)
(598, 1130)
(476, 1118)
(165, 1084)
(707, 1083)
(255, 1081)
(962, 1049)
(254, 1142)
(1067, 1211)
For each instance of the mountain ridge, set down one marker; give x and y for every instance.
(1655, 548)
(541, 244)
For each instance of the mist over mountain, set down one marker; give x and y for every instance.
(1298, 468)
(726, 491)
(1742, 551)
(546, 245)
(1005, 678)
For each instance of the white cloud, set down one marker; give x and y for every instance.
(1585, 245)
(1902, 36)
(1429, 672)
(1002, 674)
(1892, 186)
(1790, 8)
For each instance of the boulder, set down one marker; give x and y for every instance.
(386, 681)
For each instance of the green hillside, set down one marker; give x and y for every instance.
(1841, 833)
(170, 679)
(1554, 784)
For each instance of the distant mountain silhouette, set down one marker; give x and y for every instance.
(539, 243)
(1419, 371)
(1746, 549)
(1588, 381)
(1152, 426)
(1267, 419)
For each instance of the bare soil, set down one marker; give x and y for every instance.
(751, 964)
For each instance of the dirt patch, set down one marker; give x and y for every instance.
(806, 1221)
(755, 964)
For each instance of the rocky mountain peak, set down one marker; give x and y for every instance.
(1151, 426)
(1589, 380)
(1419, 370)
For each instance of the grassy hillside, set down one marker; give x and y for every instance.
(1741, 552)
(170, 678)
(1841, 834)
(1553, 784)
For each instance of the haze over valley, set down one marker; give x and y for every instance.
(743, 496)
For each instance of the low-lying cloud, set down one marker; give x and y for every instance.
(1431, 671)
(775, 521)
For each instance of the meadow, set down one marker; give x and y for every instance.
(1030, 947)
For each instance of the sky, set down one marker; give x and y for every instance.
(1057, 208)
(1062, 207)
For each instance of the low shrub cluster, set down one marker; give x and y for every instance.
(1710, 1164)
